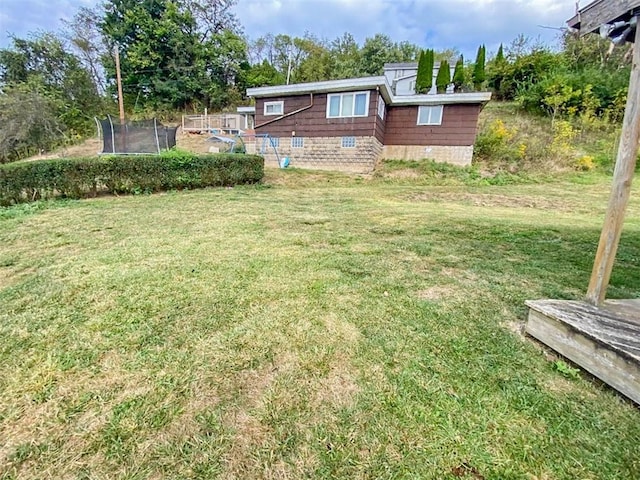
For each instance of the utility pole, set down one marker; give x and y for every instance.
(119, 80)
(289, 67)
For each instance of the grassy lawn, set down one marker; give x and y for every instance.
(318, 326)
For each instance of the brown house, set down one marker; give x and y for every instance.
(351, 124)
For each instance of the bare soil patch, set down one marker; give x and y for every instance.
(493, 200)
(190, 142)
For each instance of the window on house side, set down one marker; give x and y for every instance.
(273, 108)
(381, 107)
(275, 141)
(348, 142)
(340, 105)
(430, 115)
(297, 142)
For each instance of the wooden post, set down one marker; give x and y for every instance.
(119, 80)
(622, 178)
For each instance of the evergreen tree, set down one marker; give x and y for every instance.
(458, 75)
(500, 55)
(478, 69)
(420, 80)
(444, 77)
(429, 68)
(497, 70)
(424, 78)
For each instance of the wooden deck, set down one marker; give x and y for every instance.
(603, 340)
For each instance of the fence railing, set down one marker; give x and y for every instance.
(207, 123)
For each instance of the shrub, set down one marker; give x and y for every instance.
(84, 177)
(495, 142)
(585, 163)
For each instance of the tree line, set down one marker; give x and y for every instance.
(187, 55)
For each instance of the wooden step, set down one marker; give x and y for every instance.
(603, 340)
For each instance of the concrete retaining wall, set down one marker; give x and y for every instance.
(460, 156)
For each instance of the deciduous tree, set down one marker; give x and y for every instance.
(83, 34)
(43, 65)
(30, 123)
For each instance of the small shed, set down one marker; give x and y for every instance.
(603, 336)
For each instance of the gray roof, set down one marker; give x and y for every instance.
(400, 66)
(406, 66)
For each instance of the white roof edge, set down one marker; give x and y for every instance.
(369, 83)
(324, 86)
(249, 109)
(348, 84)
(441, 98)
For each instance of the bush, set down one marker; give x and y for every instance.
(84, 177)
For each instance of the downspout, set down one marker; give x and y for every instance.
(287, 114)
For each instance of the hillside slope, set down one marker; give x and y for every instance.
(512, 140)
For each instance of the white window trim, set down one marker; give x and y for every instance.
(281, 103)
(430, 106)
(293, 139)
(366, 110)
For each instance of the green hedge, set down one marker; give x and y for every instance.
(85, 177)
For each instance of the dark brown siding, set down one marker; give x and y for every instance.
(380, 122)
(313, 122)
(459, 126)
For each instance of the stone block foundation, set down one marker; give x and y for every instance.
(460, 156)
(325, 153)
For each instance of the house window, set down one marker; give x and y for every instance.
(348, 142)
(354, 104)
(297, 142)
(412, 86)
(431, 115)
(381, 107)
(275, 141)
(273, 108)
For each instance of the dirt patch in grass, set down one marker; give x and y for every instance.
(89, 148)
(341, 329)
(249, 435)
(493, 200)
(338, 389)
(438, 292)
(516, 327)
(11, 276)
(192, 142)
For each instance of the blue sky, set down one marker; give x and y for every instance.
(462, 24)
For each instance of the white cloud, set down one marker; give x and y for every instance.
(429, 23)
(21, 17)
